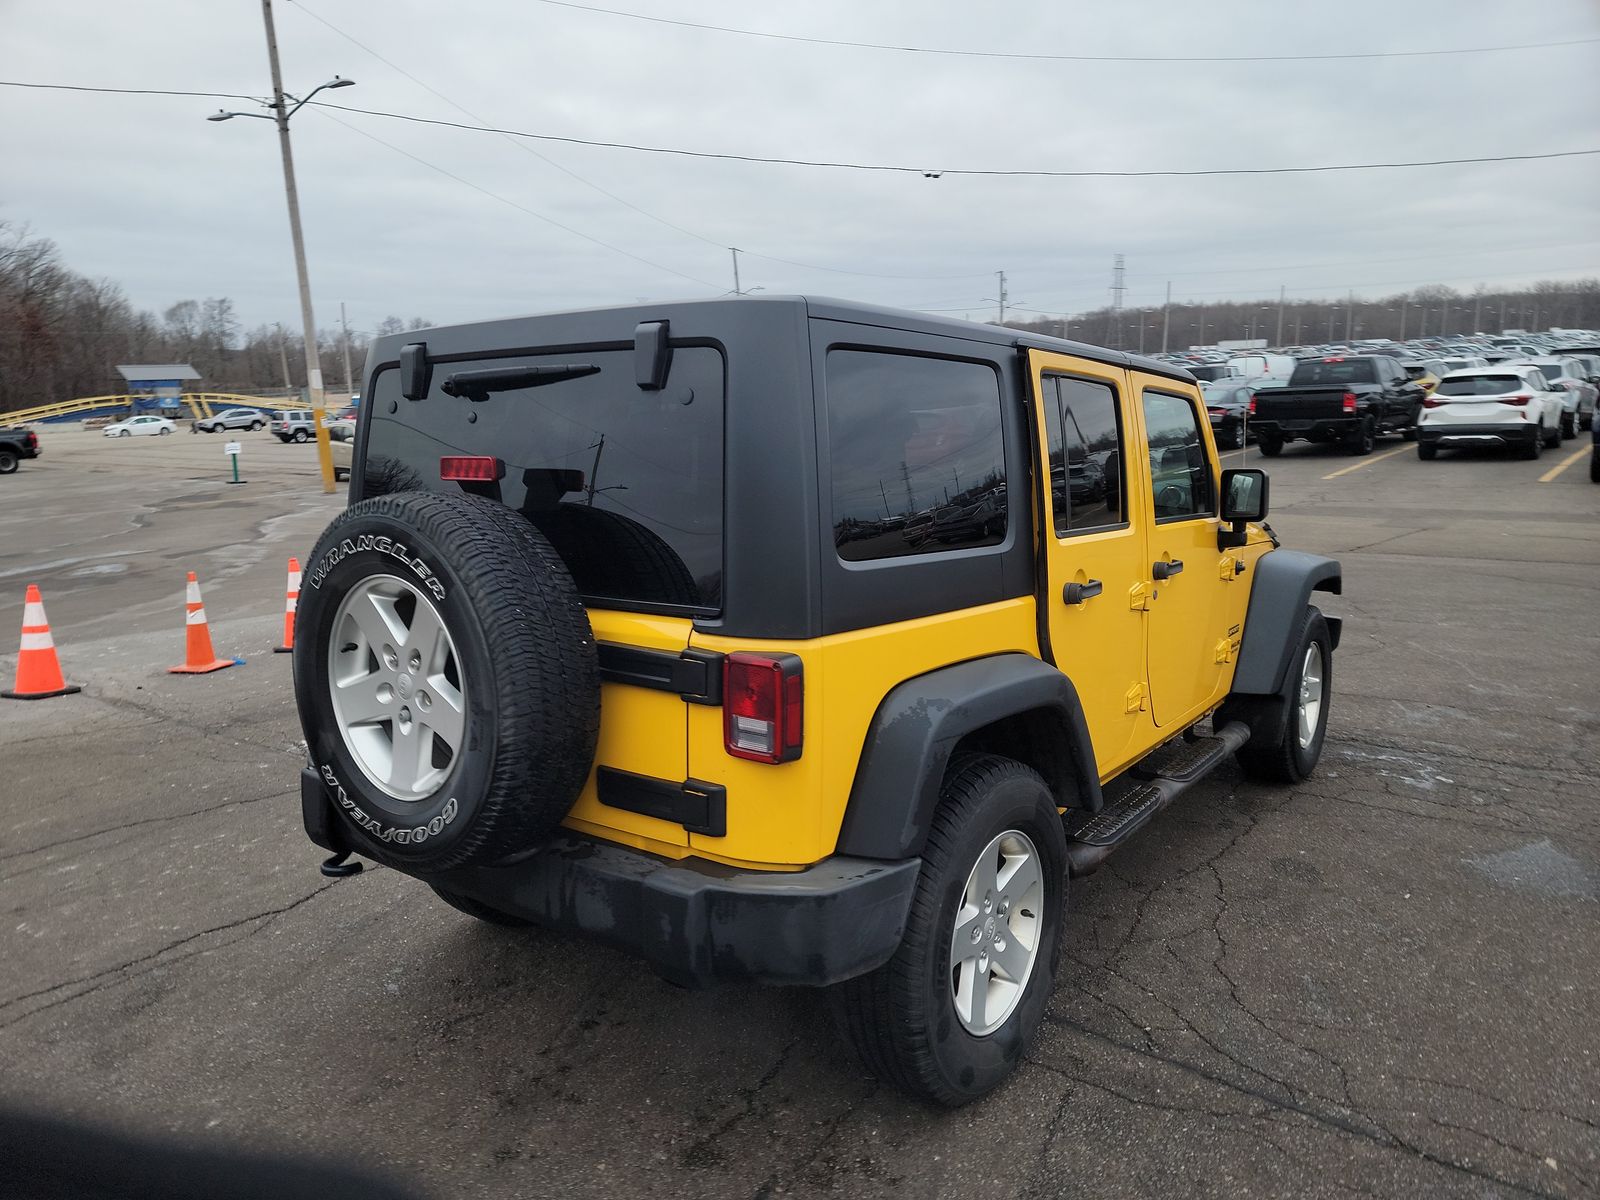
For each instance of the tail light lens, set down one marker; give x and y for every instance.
(469, 468)
(1521, 400)
(1349, 402)
(1252, 407)
(763, 706)
(1432, 402)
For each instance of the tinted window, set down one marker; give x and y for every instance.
(1084, 434)
(1549, 370)
(1333, 370)
(1179, 472)
(1480, 385)
(626, 484)
(916, 454)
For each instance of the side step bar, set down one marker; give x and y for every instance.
(1159, 780)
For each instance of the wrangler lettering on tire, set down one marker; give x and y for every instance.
(428, 697)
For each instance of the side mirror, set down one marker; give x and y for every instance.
(1244, 499)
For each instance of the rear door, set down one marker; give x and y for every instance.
(1094, 553)
(627, 486)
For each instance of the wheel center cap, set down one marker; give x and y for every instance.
(403, 686)
(988, 929)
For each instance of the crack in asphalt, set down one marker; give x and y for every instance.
(1384, 1137)
(278, 793)
(764, 1190)
(109, 976)
(706, 1151)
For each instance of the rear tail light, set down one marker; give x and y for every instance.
(471, 468)
(763, 706)
(1432, 402)
(1252, 409)
(1349, 402)
(1520, 400)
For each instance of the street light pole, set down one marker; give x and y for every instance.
(314, 392)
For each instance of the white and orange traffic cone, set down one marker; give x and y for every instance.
(200, 658)
(38, 670)
(291, 601)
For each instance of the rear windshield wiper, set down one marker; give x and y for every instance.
(476, 385)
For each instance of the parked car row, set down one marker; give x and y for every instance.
(1526, 392)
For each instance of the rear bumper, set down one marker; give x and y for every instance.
(1312, 429)
(1483, 435)
(695, 922)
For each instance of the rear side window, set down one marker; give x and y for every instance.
(917, 459)
(625, 483)
(1480, 385)
(1084, 431)
(1334, 370)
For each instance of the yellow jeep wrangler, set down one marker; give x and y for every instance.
(796, 641)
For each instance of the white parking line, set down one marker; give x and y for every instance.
(1366, 462)
(1563, 465)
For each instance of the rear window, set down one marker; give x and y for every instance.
(917, 459)
(1334, 370)
(625, 483)
(1480, 385)
(1551, 371)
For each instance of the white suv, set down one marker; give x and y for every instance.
(1491, 406)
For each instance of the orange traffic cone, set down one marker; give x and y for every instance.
(38, 670)
(201, 658)
(291, 601)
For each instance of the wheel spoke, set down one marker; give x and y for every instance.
(427, 638)
(413, 755)
(1017, 874)
(1012, 962)
(358, 699)
(375, 616)
(975, 993)
(446, 715)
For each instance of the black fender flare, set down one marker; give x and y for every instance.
(909, 741)
(1284, 581)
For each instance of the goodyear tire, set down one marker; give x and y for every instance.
(914, 1021)
(1295, 750)
(447, 680)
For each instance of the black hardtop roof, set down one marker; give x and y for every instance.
(616, 317)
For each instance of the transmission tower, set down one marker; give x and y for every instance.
(1117, 289)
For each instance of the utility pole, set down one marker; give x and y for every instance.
(1405, 305)
(1282, 292)
(905, 478)
(349, 387)
(1141, 331)
(1349, 316)
(1477, 309)
(283, 358)
(594, 470)
(1002, 298)
(1166, 318)
(1201, 340)
(736, 289)
(1444, 317)
(314, 392)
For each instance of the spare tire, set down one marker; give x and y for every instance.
(447, 680)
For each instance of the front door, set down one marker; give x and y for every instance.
(1094, 554)
(1196, 603)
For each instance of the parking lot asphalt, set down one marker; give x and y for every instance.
(1382, 982)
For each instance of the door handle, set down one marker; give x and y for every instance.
(1166, 570)
(1077, 593)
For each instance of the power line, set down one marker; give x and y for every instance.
(119, 91)
(519, 207)
(934, 173)
(1037, 57)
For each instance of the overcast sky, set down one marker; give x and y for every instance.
(144, 191)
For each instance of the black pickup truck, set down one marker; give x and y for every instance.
(1348, 399)
(16, 445)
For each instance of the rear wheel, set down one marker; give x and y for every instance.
(1293, 754)
(8, 462)
(1569, 426)
(1364, 438)
(950, 1016)
(1270, 444)
(299, 435)
(1552, 437)
(1427, 451)
(163, 432)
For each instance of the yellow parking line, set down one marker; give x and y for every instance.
(1563, 465)
(1366, 462)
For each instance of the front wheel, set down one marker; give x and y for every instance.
(1293, 753)
(1427, 451)
(949, 1017)
(1270, 444)
(1569, 426)
(255, 425)
(1552, 437)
